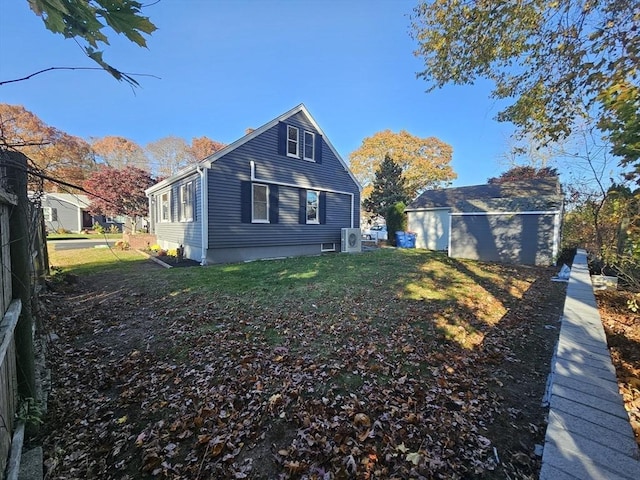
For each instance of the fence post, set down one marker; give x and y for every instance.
(20, 265)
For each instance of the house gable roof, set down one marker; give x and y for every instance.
(208, 161)
(76, 199)
(535, 195)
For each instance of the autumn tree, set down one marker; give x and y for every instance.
(388, 188)
(622, 121)
(169, 154)
(425, 162)
(202, 147)
(115, 191)
(119, 152)
(53, 153)
(524, 172)
(555, 59)
(88, 23)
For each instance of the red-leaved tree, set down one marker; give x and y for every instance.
(116, 192)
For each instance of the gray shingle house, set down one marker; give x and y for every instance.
(516, 222)
(280, 190)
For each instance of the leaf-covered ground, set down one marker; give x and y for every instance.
(426, 367)
(622, 327)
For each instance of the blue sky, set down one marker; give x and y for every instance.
(225, 66)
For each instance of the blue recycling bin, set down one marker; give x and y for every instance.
(410, 239)
(405, 240)
(401, 240)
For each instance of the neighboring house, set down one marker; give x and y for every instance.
(515, 222)
(281, 190)
(69, 212)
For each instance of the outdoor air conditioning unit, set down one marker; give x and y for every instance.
(350, 240)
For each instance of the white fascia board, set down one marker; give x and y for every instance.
(533, 212)
(427, 209)
(185, 172)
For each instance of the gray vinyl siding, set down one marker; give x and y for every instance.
(509, 238)
(67, 216)
(227, 173)
(175, 232)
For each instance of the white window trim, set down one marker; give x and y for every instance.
(161, 218)
(47, 214)
(259, 220)
(313, 146)
(315, 221)
(186, 199)
(297, 154)
(330, 249)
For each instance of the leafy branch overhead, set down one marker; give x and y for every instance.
(554, 59)
(86, 21)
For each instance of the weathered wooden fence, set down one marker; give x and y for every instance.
(9, 313)
(16, 289)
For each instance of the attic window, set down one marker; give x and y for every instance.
(309, 142)
(293, 141)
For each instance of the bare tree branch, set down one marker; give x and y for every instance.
(3, 82)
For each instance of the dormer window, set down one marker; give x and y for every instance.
(309, 145)
(293, 141)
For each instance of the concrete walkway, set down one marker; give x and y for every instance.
(589, 435)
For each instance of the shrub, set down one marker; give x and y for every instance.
(62, 231)
(98, 228)
(172, 253)
(114, 229)
(155, 248)
(122, 245)
(396, 221)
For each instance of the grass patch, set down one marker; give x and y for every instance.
(83, 236)
(88, 261)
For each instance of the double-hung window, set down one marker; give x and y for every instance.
(313, 206)
(186, 202)
(293, 141)
(164, 207)
(260, 203)
(49, 214)
(308, 148)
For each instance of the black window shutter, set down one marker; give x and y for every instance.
(282, 138)
(245, 202)
(273, 203)
(303, 206)
(323, 207)
(318, 152)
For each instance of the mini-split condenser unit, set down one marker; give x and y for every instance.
(350, 240)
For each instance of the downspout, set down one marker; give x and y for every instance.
(556, 235)
(204, 235)
(353, 212)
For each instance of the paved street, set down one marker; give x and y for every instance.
(81, 243)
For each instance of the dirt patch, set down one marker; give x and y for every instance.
(622, 327)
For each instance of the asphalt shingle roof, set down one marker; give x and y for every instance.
(541, 194)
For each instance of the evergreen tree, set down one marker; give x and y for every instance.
(388, 188)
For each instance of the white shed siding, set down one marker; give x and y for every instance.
(431, 228)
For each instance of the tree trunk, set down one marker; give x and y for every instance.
(21, 274)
